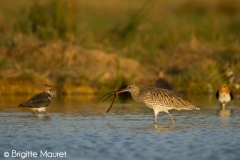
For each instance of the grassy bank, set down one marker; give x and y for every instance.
(88, 47)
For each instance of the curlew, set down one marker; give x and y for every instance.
(160, 100)
(224, 95)
(40, 101)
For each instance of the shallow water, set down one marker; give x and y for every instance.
(80, 128)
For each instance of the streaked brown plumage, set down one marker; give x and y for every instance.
(40, 101)
(160, 100)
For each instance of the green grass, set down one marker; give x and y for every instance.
(194, 42)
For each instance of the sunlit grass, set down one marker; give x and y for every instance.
(194, 42)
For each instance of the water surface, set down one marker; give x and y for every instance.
(80, 128)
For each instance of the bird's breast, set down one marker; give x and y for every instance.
(41, 109)
(224, 97)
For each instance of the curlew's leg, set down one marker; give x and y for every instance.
(33, 112)
(156, 115)
(170, 116)
(44, 112)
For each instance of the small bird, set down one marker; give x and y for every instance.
(160, 100)
(162, 82)
(224, 95)
(40, 101)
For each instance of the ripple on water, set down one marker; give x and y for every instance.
(125, 134)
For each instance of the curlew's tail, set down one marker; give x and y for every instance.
(190, 106)
(193, 106)
(197, 108)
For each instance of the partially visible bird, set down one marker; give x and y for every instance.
(162, 82)
(224, 95)
(160, 100)
(230, 75)
(40, 101)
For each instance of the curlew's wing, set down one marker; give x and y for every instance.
(166, 98)
(37, 101)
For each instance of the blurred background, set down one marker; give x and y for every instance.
(85, 47)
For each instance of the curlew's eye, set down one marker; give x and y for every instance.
(128, 87)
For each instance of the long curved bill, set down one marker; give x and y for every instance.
(114, 94)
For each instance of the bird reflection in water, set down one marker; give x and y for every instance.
(37, 116)
(42, 116)
(225, 112)
(224, 116)
(171, 127)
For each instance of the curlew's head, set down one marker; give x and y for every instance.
(131, 88)
(47, 89)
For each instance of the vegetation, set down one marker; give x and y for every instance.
(86, 47)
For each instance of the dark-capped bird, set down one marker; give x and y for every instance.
(40, 101)
(162, 82)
